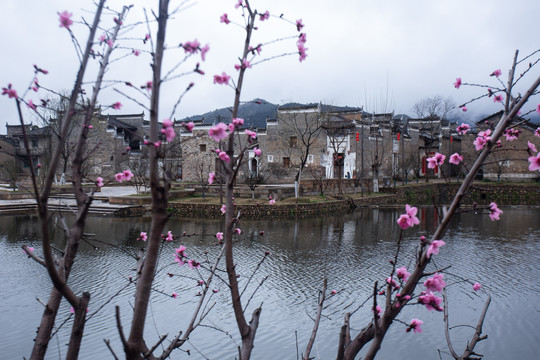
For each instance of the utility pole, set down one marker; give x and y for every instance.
(362, 165)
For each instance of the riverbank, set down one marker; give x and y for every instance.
(121, 201)
(481, 193)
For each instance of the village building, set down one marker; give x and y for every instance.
(306, 143)
(509, 160)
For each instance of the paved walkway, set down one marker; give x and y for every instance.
(101, 200)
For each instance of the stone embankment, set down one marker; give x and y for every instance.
(120, 202)
(417, 194)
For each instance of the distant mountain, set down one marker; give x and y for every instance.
(254, 113)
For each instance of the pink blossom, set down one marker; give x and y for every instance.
(169, 133)
(127, 175)
(432, 163)
(538, 108)
(435, 283)
(219, 236)
(494, 212)
(479, 143)
(390, 280)
(238, 122)
(148, 85)
(230, 127)
(433, 248)
(31, 105)
(191, 47)
(179, 259)
(512, 134)
(193, 264)
(264, 16)
(146, 37)
(119, 177)
(143, 236)
(244, 64)
(11, 93)
(211, 178)
(378, 310)
(455, 159)
(537, 132)
(65, 20)
(170, 236)
(457, 84)
(90, 127)
(496, 73)
(272, 201)
(224, 19)
(174, 295)
(238, 4)
(299, 24)
(99, 181)
(238, 231)
(498, 98)
(223, 209)
(431, 301)
(189, 126)
(415, 325)
(222, 79)
(110, 43)
(117, 105)
(482, 139)
(257, 151)
(476, 286)
(204, 50)
(34, 88)
(258, 49)
(402, 273)
(181, 251)
(438, 159)
(302, 52)
(408, 219)
(218, 132)
(167, 123)
(464, 108)
(251, 134)
(333, 292)
(102, 38)
(136, 52)
(532, 147)
(38, 69)
(116, 21)
(224, 157)
(157, 144)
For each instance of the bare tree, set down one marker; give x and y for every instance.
(319, 175)
(432, 110)
(300, 131)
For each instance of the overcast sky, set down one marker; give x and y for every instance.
(382, 55)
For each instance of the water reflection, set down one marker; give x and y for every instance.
(351, 250)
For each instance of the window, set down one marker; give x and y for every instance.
(310, 159)
(34, 143)
(270, 158)
(202, 147)
(294, 141)
(286, 162)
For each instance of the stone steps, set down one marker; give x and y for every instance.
(95, 209)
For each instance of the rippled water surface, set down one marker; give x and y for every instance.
(351, 250)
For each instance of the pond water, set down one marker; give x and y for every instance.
(351, 250)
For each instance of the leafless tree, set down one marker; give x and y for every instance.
(433, 110)
(299, 132)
